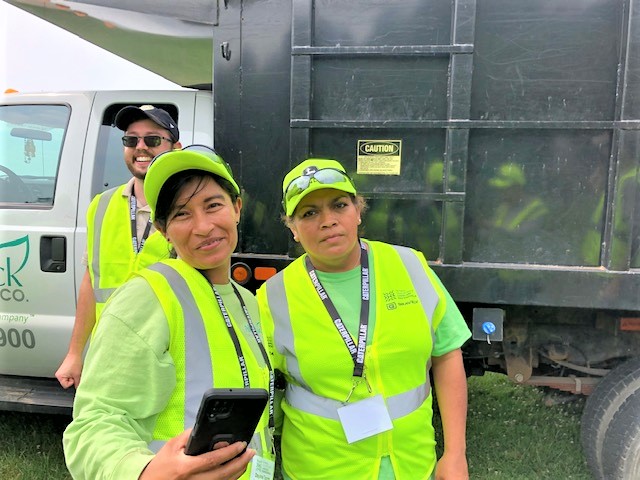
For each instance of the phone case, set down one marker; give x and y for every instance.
(226, 415)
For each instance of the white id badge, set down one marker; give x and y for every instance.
(262, 468)
(365, 418)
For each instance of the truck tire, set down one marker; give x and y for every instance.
(607, 398)
(621, 451)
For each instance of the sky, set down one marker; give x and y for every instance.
(36, 56)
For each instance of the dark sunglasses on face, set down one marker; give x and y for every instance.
(149, 140)
(326, 176)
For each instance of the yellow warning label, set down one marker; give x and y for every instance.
(379, 157)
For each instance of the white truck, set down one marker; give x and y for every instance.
(56, 152)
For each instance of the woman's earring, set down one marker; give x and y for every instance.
(359, 221)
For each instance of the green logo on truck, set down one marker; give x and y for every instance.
(13, 258)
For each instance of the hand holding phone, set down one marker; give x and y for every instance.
(226, 415)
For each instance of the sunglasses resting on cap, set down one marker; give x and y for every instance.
(315, 174)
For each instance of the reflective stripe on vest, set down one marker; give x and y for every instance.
(423, 286)
(277, 295)
(421, 282)
(397, 405)
(301, 397)
(101, 294)
(196, 348)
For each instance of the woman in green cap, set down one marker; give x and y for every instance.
(174, 330)
(356, 326)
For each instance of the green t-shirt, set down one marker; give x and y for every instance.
(344, 289)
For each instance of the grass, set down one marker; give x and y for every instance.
(31, 446)
(512, 435)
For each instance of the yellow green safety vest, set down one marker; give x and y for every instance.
(109, 247)
(409, 306)
(202, 351)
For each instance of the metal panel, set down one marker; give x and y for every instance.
(624, 240)
(631, 93)
(393, 22)
(380, 88)
(542, 60)
(251, 110)
(301, 67)
(532, 194)
(540, 94)
(370, 81)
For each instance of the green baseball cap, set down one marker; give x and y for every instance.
(192, 157)
(311, 175)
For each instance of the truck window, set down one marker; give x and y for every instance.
(31, 138)
(111, 170)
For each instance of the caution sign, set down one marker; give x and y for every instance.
(379, 157)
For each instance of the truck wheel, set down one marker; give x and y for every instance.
(621, 452)
(606, 399)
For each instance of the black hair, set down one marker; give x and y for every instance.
(168, 195)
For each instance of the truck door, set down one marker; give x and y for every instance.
(42, 141)
(57, 151)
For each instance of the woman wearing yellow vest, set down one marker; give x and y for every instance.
(355, 326)
(174, 330)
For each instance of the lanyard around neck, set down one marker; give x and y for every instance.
(236, 343)
(357, 351)
(133, 206)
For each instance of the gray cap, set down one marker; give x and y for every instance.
(130, 114)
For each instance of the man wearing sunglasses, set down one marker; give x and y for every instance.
(120, 235)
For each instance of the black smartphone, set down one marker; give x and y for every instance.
(226, 415)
